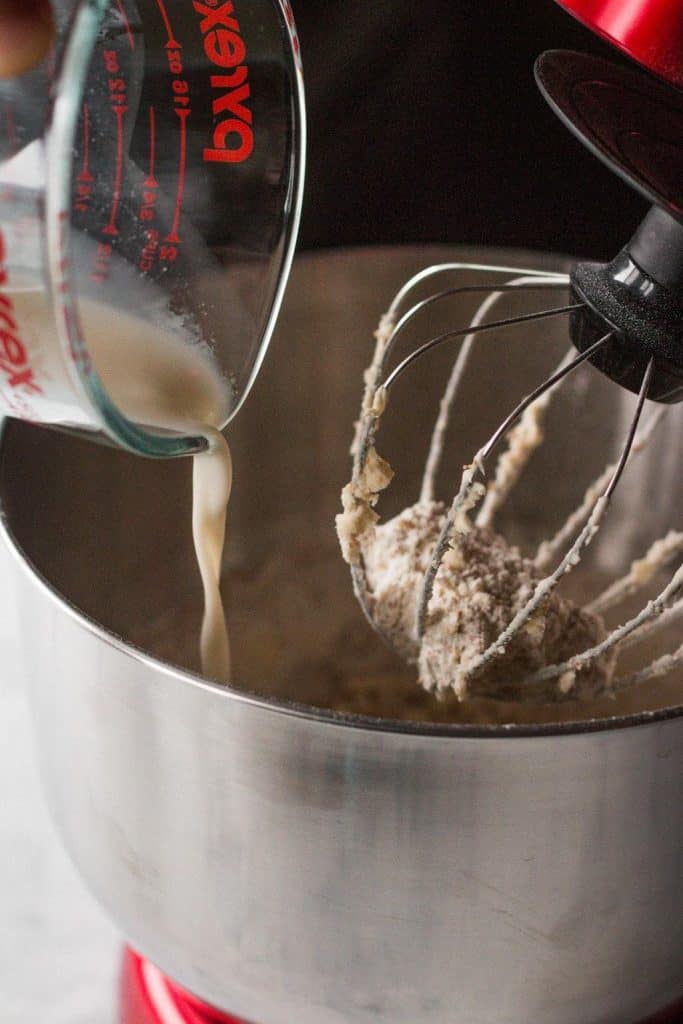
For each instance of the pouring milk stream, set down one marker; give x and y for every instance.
(159, 376)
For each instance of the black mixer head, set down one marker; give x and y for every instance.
(634, 124)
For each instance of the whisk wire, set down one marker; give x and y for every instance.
(469, 479)
(657, 669)
(642, 571)
(653, 626)
(547, 384)
(489, 326)
(549, 548)
(523, 284)
(642, 396)
(436, 444)
(436, 269)
(652, 609)
(570, 560)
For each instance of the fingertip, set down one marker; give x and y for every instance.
(26, 35)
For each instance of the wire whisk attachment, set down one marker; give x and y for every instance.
(446, 591)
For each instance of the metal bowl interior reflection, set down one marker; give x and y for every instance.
(287, 861)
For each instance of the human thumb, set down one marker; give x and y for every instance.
(26, 34)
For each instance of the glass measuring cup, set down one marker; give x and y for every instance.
(151, 174)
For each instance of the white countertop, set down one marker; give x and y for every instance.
(58, 953)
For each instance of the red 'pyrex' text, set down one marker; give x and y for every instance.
(233, 137)
(14, 361)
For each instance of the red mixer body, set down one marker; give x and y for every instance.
(147, 997)
(649, 31)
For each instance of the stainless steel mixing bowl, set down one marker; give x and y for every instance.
(297, 867)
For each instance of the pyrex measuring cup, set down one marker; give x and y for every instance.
(150, 189)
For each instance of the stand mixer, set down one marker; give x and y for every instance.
(626, 318)
(281, 861)
(304, 773)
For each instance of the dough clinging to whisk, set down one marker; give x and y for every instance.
(482, 582)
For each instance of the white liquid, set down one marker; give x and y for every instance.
(158, 377)
(211, 484)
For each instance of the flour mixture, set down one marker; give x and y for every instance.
(298, 635)
(482, 584)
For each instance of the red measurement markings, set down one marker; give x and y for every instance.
(85, 174)
(126, 24)
(148, 205)
(101, 262)
(171, 44)
(150, 180)
(149, 192)
(84, 181)
(62, 277)
(119, 107)
(181, 104)
(173, 237)
(149, 251)
(111, 228)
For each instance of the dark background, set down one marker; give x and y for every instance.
(426, 125)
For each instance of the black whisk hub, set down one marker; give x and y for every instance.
(645, 311)
(634, 124)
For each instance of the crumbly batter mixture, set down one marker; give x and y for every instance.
(359, 497)
(299, 635)
(482, 583)
(490, 623)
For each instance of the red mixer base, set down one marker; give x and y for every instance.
(147, 997)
